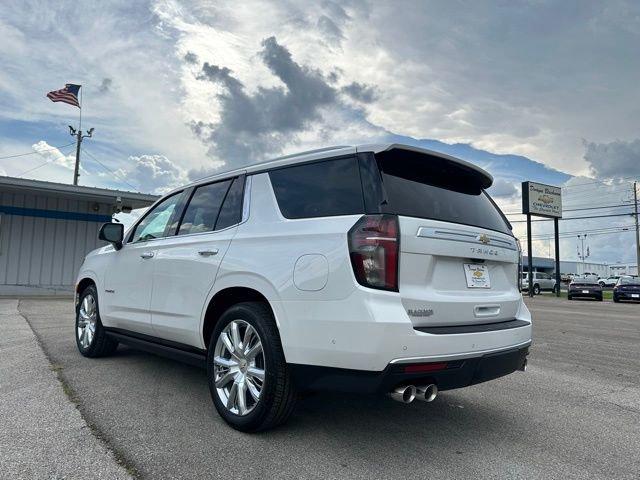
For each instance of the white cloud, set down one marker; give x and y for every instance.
(54, 156)
(153, 173)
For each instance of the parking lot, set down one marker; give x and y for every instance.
(575, 413)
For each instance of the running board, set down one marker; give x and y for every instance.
(164, 348)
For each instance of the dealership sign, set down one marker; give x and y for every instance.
(541, 200)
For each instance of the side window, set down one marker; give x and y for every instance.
(231, 211)
(320, 189)
(203, 208)
(159, 222)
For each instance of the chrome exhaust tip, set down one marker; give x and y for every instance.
(404, 394)
(427, 393)
(523, 367)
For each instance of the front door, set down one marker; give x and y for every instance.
(128, 279)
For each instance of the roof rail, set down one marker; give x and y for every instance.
(308, 152)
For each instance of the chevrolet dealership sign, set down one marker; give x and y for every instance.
(541, 200)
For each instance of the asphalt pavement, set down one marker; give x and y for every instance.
(575, 413)
(42, 434)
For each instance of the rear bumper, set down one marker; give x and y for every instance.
(579, 294)
(368, 331)
(458, 373)
(626, 296)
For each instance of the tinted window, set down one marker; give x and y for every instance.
(231, 212)
(159, 222)
(203, 208)
(418, 185)
(319, 189)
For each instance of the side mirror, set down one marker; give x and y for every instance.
(112, 233)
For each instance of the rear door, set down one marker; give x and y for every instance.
(458, 258)
(186, 264)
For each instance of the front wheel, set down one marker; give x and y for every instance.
(248, 376)
(91, 338)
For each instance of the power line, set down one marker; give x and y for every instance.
(600, 181)
(590, 232)
(46, 162)
(36, 151)
(109, 170)
(578, 218)
(630, 204)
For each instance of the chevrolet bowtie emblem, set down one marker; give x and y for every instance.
(484, 238)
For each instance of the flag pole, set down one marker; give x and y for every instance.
(80, 121)
(76, 170)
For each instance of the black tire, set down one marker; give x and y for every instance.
(536, 289)
(602, 285)
(100, 345)
(569, 297)
(616, 299)
(599, 299)
(278, 395)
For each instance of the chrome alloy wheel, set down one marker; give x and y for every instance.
(88, 317)
(239, 367)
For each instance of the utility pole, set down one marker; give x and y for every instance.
(582, 256)
(635, 206)
(79, 137)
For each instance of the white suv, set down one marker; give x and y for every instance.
(379, 269)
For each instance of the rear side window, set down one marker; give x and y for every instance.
(320, 189)
(424, 186)
(231, 211)
(204, 206)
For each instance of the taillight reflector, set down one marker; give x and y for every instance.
(425, 367)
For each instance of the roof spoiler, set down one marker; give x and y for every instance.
(484, 178)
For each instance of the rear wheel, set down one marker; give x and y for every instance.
(91, 338)
(536, 289)
(249, 380)
(569, 297)
(616, 299)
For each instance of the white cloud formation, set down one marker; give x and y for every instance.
(153, 173)
(53, 155)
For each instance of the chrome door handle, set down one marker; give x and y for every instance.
(208, 253)
(147, 255)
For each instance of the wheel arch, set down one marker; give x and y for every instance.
(227, 296)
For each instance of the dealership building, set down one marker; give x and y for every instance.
(47, 228)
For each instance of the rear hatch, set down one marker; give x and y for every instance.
(458, 258)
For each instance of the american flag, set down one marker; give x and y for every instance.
(69, 94)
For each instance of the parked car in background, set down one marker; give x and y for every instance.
(381, 269)
(542, 282)
(609, 281)
(627, 288)
(585, 288)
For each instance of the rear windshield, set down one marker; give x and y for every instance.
(424, 186)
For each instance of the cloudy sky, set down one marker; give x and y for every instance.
(540, 90)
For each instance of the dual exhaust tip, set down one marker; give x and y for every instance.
(409, 393)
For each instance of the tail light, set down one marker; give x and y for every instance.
(519, 272)
(374, 243)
